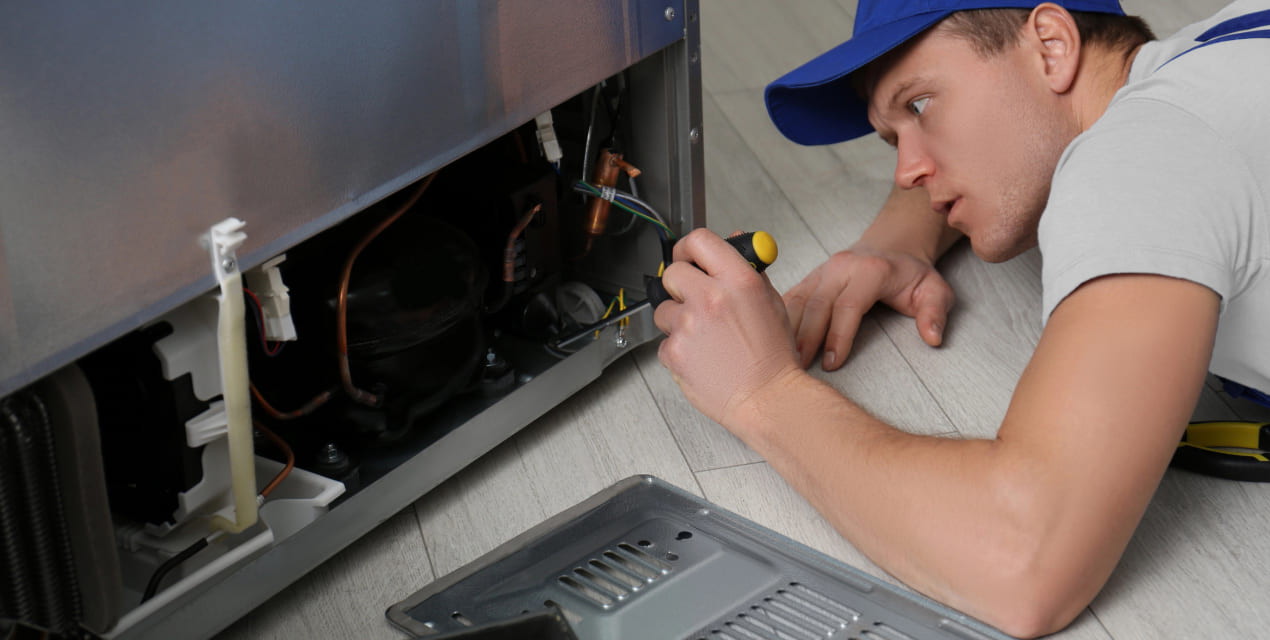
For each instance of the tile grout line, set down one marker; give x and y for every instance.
(780, 188)
(423, 537)
(920, 380)
(1094, 615)
(666, 422)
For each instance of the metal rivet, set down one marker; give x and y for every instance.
(695, 135)
(670, 14)
(694, 57)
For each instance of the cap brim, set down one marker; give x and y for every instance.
(816, 104)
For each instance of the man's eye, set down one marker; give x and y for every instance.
(918, 106)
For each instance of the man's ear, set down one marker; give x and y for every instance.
(1054, 33)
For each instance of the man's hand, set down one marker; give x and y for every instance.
(826, 307)
(727, 331)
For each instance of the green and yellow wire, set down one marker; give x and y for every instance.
(630, 210)
(618, 301)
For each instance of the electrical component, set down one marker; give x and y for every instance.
(275, 303)
(547, 141)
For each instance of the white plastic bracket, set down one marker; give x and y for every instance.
(223, 241)
(208, 426)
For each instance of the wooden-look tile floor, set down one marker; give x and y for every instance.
(1199, 565)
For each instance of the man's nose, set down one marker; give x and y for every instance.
(912, 164)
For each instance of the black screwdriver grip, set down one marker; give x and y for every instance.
(757, 247)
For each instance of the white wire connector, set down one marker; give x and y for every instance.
(547, 141)
(275, 304)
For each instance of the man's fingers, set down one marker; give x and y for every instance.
(709, 252)
(841, 337)
(817, 313)
(934, 300)
(864, 289)
(795, 307)
(930, 325)
(681, 279)
(666, 316)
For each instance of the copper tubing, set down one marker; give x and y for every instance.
(286, 470)
(309, 407)
(341, 316)
(509, 252)
(607, 169)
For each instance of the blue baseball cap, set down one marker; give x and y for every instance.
(816, 104)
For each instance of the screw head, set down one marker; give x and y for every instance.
(670, 14)
(695, 135)
(331, 454)
(227, 264)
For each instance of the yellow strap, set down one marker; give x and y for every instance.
(1255, 456)
(1243, 435)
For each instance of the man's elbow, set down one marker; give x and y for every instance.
(1041, 591)
(1032, 617)
(1038, 579)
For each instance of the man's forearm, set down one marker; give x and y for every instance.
(907, 223)
(935, 512)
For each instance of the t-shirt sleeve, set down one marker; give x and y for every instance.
(1148, 189)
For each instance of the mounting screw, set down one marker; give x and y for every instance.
(670, 14)
(331, 454)
(620, 341)
(227, 264)
(695, 135)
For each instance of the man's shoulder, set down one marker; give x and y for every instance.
(1197, 54)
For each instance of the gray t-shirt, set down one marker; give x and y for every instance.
(1174, 180)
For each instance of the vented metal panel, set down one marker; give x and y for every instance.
(646, 560)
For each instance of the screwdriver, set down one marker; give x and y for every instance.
(757, 247)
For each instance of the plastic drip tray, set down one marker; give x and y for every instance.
(643, 560)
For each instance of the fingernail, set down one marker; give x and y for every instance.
(831, 359)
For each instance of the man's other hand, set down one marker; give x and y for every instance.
(827, 306)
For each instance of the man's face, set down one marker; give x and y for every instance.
(981, 135)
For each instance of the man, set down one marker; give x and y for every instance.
(1139, 167)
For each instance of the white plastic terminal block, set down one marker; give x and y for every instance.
(547, 138)
(275, 303)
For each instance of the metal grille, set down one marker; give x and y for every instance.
(798, 612)
(644, 561)
(614, 575)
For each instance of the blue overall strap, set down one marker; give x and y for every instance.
(1242, 27)
(1247, 26)
(1236, 390)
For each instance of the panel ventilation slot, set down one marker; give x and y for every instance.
(798, 612)
(614, 576)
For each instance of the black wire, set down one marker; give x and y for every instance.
(615, 116)
(153, 586)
